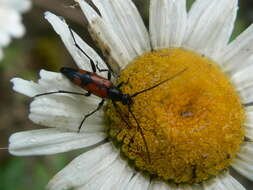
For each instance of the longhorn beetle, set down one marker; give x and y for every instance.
(103, 88)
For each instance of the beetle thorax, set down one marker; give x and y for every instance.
(126, 99)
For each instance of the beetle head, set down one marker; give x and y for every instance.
(126, 99)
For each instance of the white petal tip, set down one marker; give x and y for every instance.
(48, 14)
(28, 88)
(17, 84)
(52, 18)
(15, 80)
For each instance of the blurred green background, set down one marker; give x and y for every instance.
(41, 48)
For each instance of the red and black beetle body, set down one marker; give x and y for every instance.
(96, 84)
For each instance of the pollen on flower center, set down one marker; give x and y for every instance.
(193, 124)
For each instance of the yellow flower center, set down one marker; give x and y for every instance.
(193, 124)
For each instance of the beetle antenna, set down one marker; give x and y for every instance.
(160, 83)
(141, 131)
(93, 65)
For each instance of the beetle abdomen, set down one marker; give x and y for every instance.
(91, 82)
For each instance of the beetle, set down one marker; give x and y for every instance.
(103, 88)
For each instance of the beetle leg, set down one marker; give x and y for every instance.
(123, 83)
(119, 111)
(109, 75)
(78, 47)
(141, 132)
(60, 92)
(91, 113)
(88, 94)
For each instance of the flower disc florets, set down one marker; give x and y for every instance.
(193, 124)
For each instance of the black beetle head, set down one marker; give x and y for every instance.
(126, 99)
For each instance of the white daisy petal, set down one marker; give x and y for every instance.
(50, 82)
(223, 181)
(107, 179)
(249, 123)
(28, 88)
(189, 187)
(168, 21)
(138, 182)
(138, 28)
(80, 58)
(111, 42)
(161, 185)
(249, 131)
(11, 25)
(238, 54)
(111, 18)
(125, 178)
(243, 79)
(123, 16)
(11, 20)
(65, 112)
(246, 95)
(18, 5)
(243, 164)
(51, 141)
(60, 110)
(83, 168)
(120, 28)
(210, 25)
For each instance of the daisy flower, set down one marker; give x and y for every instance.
(196, 126)
(10, 20)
